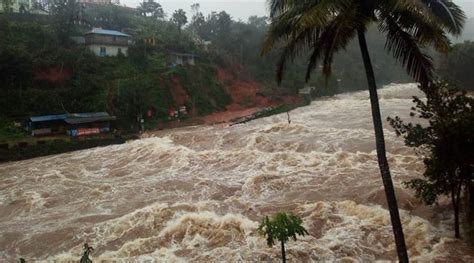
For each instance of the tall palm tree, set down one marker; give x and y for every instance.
(324, 27)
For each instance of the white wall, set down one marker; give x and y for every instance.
(110, 50)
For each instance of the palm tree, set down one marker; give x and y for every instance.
(324, 27)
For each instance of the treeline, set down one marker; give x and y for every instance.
(42, 71)
(457, 65)
(242, 41)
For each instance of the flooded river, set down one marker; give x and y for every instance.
(198, 193)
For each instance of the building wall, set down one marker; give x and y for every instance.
(109, 50)
(105, 39)
(182, 60)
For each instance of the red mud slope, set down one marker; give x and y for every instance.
(247, 96)
(244, 92)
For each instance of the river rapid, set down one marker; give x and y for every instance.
(199, 193)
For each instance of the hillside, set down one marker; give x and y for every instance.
(468, 33)
(39, 62)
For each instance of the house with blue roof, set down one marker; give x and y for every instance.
(107, 42)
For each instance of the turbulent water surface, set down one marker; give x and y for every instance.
(198, 194)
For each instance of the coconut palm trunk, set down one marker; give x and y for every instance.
(283, 254)
(381, 155)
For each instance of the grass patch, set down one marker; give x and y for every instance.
(9, 132)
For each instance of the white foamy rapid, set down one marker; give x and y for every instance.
(198, 194)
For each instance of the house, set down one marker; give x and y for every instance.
(107, 42)
(75, 125)
(183, 59)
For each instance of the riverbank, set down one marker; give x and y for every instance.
(31, 147)
(38, 148)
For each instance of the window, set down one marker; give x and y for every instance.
(103, 52)
(119, 51)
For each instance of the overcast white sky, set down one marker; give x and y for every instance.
(242, 9)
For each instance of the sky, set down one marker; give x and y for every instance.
(242, 9)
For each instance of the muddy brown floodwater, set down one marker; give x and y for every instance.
(198, 193)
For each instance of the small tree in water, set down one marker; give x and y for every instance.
(281, 227)
(446, 145)
(85, 256)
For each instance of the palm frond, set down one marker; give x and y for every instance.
(419, 27)
(294, 47)
(335, 38)
(444, 13)
(298, 16)
(278, 6)
(450, 15)
(405, 49)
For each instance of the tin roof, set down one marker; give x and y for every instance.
(48, 118)
(75, 118)
(101, 31)
(89, 119)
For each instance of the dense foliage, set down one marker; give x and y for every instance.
(241, 42)
(42, 71)
(37, 77)
(446, 144)
(457, 65)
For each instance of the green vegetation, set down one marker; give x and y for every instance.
(26, 149)
(238, 41)
(152, 9)
(179, 18)
(206, 98)
(42, 71)
(85, 256)
(281, 228)
(457, 65)
(446, 145)
(8, 131)
(323, 28)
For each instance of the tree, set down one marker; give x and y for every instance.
(457, 65)
(281, 227)
(197, 20)
(258, 22)
(85, 256)
(112, 17)
(38, 4)
(179, 18)
(195, 8)
(446, 145)
(7, 5)
(151, 8)
(326, 27)
(65, 13)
